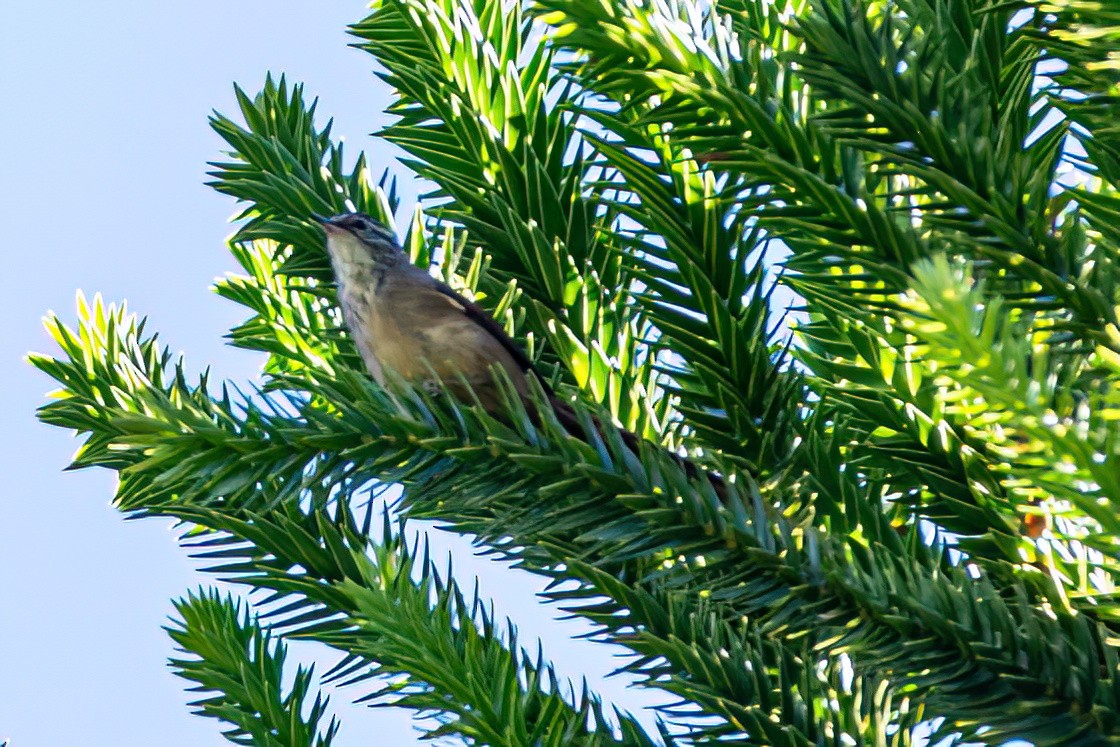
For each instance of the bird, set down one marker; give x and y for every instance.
(404, 320)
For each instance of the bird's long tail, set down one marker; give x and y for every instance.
(567, 418)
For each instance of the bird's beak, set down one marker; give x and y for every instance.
(327, 223)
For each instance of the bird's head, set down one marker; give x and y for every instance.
(357, 239)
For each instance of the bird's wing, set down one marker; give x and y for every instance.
(479, 316)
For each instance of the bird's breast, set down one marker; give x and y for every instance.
(409, 327)
(358, 302)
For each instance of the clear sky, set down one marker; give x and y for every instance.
(104, 144)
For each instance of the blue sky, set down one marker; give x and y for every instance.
(104, 147)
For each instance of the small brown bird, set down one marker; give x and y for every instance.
(403, 319)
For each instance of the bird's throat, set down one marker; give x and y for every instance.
(359, 266)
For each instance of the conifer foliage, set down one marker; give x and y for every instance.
(921, 449)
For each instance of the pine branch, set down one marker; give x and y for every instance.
(640, 130)
(747, 121)
(779, 692)
(960, 115)
(1002, 376)
(793, 585)
(703, 290)
(851, 246)
(233, 657)
(216, 463)
(276, 485)
(285, 168)
(554, 503)
(405, 630)
(960, 119)
(1083, 35)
